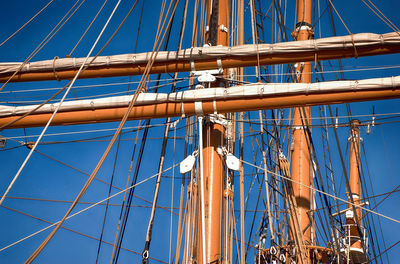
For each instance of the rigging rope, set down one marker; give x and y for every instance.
(54, 113)
(108, 201)
(381, 16)
(83, 210)
(74, 231)
(325, 193)
(87, 29)
(40, 248)
(26, 23)
(126, 214)
(52, 33)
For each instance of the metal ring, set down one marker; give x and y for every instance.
(273, 250)
(145, 254)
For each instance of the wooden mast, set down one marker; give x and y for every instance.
(354, 219)
(300, 160)
(214, 138)
(355, 184)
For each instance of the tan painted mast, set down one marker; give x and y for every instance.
(240, 41)
(213, 166)
(354, 219)
(300, 159)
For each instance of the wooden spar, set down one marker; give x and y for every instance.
(300, 158)
(214, 138)
(175, 109)
(355, 186)
(173, 66)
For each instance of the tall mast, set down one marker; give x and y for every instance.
(213, 138)
(300, 161)
(354, 218)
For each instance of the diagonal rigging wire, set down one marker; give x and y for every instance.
(40, 248)
(387, 249)
(74, 231)
(318, 178)
(156, 48)
(97, 54)
(108, 201)
(168, 209)
(87, 29)
(26, 23)
(130, 107)
(145, 254)
(134, 149)
(381, 16)
(76, 169)
(96, 96)
(101, 85)
(83, 210)
(325, 193)
(126, 208)
(121, 232)
(54, 113)
(52, 33)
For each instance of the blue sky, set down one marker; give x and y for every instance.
(46, 179)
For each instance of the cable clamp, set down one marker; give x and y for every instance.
(273, 250)
(54, 68)
(217, 119)
(198, 108)
(175, 123)
(192, 67)
(219, 63)
(215, 107)
(303, 25)
(355, 85)
(206, 77)
(354, 137)
(261, 91)
(393, 86)
(3, 141)
(182, 109)
(354, 46)
(223, 28)
(381, 39)
(145, 257)
(297, 128)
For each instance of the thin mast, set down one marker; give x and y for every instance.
(354, 229)
(240, 38)
(300, 160)
(355, 184)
